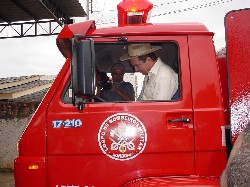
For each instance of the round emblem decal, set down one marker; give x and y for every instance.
(122, 136)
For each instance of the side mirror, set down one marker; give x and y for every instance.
(83, 69)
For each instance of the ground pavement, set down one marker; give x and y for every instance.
(6, 179)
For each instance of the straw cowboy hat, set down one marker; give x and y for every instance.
(138, 50)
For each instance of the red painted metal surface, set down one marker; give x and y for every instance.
(30, 177)
(88, 28)
(76, 156)
(238, 55)
(169, 149)
(209, 116)
(173, 182)
(223, 71)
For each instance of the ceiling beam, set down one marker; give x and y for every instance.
(51, 27)
(20, 5)
(56, 11)
(5, 19)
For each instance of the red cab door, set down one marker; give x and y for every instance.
(89, 147)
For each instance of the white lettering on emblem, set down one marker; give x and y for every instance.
(122, 136)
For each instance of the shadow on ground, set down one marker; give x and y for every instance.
(6, 179)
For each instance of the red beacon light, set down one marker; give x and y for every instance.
(133, 11)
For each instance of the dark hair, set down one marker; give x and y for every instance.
(144, 57)
(117, 66)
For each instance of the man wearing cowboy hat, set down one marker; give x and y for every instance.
(160, 81)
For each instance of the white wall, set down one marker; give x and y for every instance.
(10, 132)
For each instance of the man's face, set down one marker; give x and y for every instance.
(117, 75)
(140, 66)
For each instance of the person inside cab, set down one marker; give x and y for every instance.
(160, 81)
(117, 89)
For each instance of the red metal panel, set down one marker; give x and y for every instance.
(89, 28)
(30, 177)
(209, 117)
(223, 71)
(76, 151)
(210, 163)
(173, 182)
(101, 171)
(238, 54)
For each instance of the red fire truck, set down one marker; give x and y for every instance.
(76, 139)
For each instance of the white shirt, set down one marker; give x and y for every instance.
(161, 83)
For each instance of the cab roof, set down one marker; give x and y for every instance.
(88, 28)
(152, 29)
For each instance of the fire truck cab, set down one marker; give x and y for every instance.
(76, 139)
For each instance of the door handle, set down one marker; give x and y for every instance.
(184, 120)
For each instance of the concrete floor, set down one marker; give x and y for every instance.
(6, 179)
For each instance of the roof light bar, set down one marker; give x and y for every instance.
(133, 11)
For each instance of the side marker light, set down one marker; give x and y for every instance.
(34, 166)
